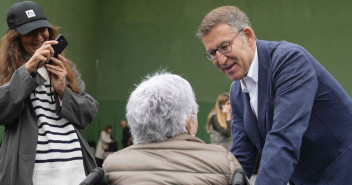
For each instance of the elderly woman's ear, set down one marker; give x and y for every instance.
(192, 124)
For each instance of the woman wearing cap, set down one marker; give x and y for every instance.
(43, 106)
(162, 114)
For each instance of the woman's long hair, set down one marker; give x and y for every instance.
(12, 56)
(220, 101)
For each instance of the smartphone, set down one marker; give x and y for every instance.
(58, 48)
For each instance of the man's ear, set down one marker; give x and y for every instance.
(249, 34)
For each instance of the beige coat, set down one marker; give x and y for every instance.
(103, 142)
(180, 160)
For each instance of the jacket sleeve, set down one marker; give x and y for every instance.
(104, 137)
(79, 108)
(14, 93)
(294, 83)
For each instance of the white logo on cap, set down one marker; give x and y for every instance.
(30, 13)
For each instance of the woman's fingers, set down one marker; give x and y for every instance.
(48, 46)
(58, 73)
(42, 55)
(60, 61)
(63, 60)
(57, 67)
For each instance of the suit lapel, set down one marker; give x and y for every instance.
(251, 123)
(249, 114)
(263, 76)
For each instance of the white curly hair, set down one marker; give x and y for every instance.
(159, 108)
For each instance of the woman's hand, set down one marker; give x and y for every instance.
(58, 74)
(40, 56)
(226, 109)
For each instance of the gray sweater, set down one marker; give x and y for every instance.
(18, 148)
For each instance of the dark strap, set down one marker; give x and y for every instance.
(239, 177)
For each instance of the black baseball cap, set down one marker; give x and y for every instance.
(26, 16)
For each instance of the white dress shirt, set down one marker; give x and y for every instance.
(249, 83)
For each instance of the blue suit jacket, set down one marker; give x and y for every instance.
(304, 126)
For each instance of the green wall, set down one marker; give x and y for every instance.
(117, 42)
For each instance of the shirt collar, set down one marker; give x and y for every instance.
(252, 72)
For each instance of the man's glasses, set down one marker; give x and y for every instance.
(223, 49)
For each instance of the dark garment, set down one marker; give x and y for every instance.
(126, 135)
(113, 147)
(226, 132)
(304, 120)
(220, 135)
(99, 162)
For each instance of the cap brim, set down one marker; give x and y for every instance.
(30, 26)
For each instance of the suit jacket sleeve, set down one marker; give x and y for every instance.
(294, 85)
(79, 108)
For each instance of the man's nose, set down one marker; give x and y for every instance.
(221, 58)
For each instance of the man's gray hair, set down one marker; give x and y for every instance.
(159, 108)
(229, 15)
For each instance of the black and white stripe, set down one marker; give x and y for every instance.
(58, 146)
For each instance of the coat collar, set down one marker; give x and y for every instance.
(186, 137)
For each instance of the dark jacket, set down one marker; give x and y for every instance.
(304, 120)
(18, 149)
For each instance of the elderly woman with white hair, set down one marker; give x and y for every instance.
(162, 114)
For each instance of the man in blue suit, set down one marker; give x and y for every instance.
(284, 104)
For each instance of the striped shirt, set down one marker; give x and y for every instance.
(58, 159)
